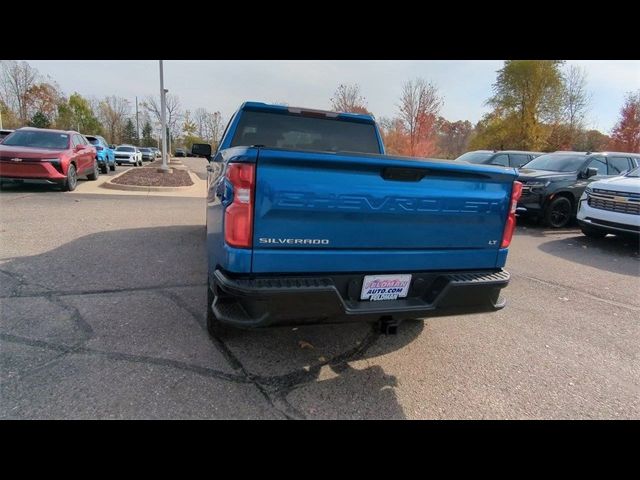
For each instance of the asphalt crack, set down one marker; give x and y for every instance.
(276, 388)
(144, 359)
(68, 293)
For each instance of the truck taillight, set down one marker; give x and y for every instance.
(238, 217)
(510, 227)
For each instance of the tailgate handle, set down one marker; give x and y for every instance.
(403, 174)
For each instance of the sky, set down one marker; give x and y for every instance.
(222, 85)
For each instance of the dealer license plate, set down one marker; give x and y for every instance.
(385, 287)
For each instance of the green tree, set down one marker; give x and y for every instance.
(147, 138)
(77, 114)
(495, 131)
(528, 93)
(39, 120)
(129, 132)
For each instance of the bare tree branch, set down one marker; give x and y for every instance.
(418, 110)
(113, 112)
(347, 98)
(17, 79)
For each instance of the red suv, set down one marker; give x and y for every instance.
(55, 157)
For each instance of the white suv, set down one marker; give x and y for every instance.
(611, 206)
(128, 154)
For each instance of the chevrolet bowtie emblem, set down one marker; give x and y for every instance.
(16, 159)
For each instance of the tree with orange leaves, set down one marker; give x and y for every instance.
(394, 136)
(625, 136)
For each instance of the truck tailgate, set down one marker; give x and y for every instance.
(326, 212)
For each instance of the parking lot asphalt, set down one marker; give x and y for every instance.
(102, 315)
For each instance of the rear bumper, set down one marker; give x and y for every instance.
(284, 300)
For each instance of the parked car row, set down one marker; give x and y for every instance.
(59, 157)
(560, 186)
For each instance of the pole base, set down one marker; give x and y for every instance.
(164, 170)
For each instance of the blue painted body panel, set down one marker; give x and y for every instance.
(451, 219)
(106, 155)
(372, 261)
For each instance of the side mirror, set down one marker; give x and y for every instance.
(78, 147)
(201, 150)
(590, 172)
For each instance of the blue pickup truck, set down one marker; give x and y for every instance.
(308, 221)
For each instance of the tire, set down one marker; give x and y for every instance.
(112, 167)
(593, 232)
(558, 213)
(71, 182)
(96, 171)
(104, 169)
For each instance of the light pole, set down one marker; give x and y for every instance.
(163, 119)
(137, 124)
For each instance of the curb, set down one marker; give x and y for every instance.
(142, 188)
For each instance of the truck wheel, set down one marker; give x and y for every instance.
(70, 183)
(96, 171)
(593, 232)
(558, 212)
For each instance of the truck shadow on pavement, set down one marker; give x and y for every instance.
(617, 254)
(135, 268)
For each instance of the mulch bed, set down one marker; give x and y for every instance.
(150, 177)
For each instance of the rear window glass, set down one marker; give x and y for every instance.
(35, 139)
(126, 149)
(475, 157)
(295, 132)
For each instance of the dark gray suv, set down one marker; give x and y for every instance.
(503, 158)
